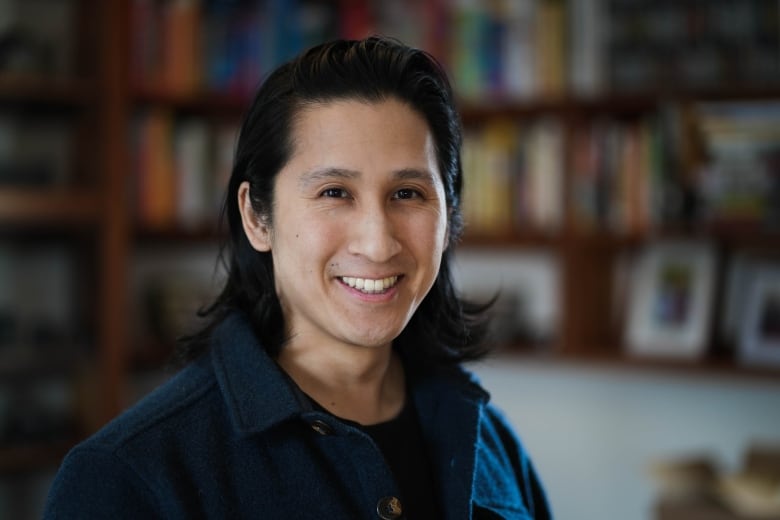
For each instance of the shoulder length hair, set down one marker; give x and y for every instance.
(445, 329)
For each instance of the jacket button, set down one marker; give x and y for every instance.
(389, 508)
(321, 427)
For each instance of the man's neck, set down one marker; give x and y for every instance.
(361, 384)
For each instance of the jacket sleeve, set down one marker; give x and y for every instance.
(505, 466)
(94, 483)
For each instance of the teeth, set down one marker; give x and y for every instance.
(370, 286)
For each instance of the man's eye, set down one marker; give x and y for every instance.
(336, 193)
(407, 193)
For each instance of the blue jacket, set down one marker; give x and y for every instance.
(230, 437)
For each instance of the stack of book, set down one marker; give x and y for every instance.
(740, 177)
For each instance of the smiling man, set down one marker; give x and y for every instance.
(359, 227)
(328, 382)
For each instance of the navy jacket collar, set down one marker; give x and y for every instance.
(259, 394)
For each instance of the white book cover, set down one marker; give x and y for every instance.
(192, 170)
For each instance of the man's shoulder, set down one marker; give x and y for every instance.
(180, 402)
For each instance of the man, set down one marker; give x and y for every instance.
(327, 384)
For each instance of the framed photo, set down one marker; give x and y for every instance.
(741, 267)
(759, 341)
(671, 300)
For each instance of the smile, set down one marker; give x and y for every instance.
(369, 286)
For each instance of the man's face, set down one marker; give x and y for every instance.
(359, 223)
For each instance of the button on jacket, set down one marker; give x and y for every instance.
(231, 437)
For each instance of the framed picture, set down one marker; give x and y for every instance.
(741, 267)
(671, 300)
(759, 341)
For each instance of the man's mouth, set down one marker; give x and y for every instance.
(369, 285)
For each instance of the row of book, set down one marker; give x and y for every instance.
(189, 46)
(512, 177)
(181, 167)
(719, 165)
(510, 49)
(716, 165)
(692, 44)
(507, 49)
(740, 168)
(519, 178)
(618, 176)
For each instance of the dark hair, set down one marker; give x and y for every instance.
(444, 328)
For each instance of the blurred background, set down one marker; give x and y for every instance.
(622, 170)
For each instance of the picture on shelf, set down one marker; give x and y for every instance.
(673, 303)
(760, 333)
(742, 269)
(670, 300)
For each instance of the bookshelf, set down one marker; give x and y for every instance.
(548, 94)
(62, 245)
(568, 149)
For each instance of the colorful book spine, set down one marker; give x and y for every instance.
(616, 177)
(192, 162)
(513, 178)
(156, 193)
(166, 45)
(181, 170)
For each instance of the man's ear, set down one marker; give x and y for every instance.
(255, 227)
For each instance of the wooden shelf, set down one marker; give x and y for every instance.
(747, 237)
(561, 106)
(52, 207)
(616, 104)
(43, 91)
(511, 239)
(178, 235)
(225, 105)
(621, 362)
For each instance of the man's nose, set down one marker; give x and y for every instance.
(374, 234)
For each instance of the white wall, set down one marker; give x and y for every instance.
(594, 431)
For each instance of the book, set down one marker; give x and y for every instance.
(550, 57)
(587, 24)
(181, 54)
(192, 162)
(740, 172)
(155, 169)
(545, 170)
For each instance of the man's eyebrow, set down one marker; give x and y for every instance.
(415, 174)
(335, 173)
(326, 174)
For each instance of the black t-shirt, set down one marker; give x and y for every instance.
(401, 442)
